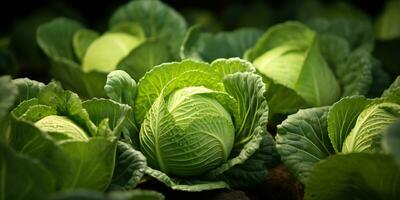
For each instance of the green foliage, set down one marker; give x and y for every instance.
(62, 143)
(190, 108)
(207, 47)
(354, 176)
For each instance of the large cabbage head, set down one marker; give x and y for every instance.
(200, 124)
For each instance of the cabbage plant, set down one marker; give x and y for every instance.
(359, 175)
(52, 141)
(200, 126)
(352, 125)
(81, 58)
(342, 151)
(316, 64)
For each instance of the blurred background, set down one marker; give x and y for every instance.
(21, 57)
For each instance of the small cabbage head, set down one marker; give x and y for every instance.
(65, 135)
(61, 128)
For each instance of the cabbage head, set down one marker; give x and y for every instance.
(81, 58)
(317, 63)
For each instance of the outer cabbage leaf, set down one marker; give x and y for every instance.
(129, 168)
(230, 66)
(120, 87)
(20, 173)
(147, 55)
(252, 172)
(27, 89)
(302, 141)
(93, 161)
(191, 185)
(354, 176)
(7, 97)
(26, 139)
(342, 118)
(208, 47)
(65, 66)
(48, 38)
(283, 100)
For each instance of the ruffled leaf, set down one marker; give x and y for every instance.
(302, 141)
(129, 168)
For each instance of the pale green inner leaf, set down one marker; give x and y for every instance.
(105, 52)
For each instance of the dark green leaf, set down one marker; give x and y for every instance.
(354, 176)
(129, 169)
(25, 138)
(144, 57)
(22, 177)
(55, 38)
(8, 93)
(93, 163)
(27, 89)
(302, 141)
(208, 47)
